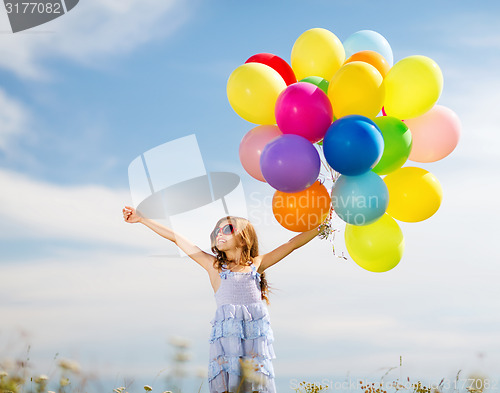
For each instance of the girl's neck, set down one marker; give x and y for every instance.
(233, 256)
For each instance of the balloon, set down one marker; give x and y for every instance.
(360, 200)
(368, 40)
(304, 109)
(290, 163)
(414, 194)
(252, 90)
(303, 210)
(373, 58)
(322, 83)
(276, 63)
(397, 144)
(412, 87)
(317, 52)
(435, 134)
(376, 247)
(353, 145)
(251, 147)
(356, 89)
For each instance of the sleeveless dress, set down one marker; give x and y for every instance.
(241, 336)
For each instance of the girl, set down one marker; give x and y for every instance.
(241, 337)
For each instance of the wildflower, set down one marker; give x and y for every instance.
(41, 378)
(477, 383)
(182, 357)
(180, 342)
(148, 388)
(64, 382)
(17, 380)
(3, 374)
(250, 371)
(69, 365)
(308, 387)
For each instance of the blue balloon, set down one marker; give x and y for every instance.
(290, 163)
(368, 40)
(360, 200)
(353, 145)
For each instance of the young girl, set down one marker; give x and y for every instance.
(241, 337)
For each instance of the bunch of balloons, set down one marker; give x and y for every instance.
(369, 117)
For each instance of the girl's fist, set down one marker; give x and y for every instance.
(130, 215)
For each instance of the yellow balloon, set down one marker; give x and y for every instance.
(252, 91)
(317, 52)
(377, 247)
(356, 89)
(412, 87)
(414, 194)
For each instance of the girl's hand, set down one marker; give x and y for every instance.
(130, 215)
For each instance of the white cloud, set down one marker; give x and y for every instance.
(90, 33)
(13, 119)
(481, 33)
(113, 307)
(33, 209)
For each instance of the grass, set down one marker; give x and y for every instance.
(16, 377)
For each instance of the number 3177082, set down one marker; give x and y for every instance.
(34, 8)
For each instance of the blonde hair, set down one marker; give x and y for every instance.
(246, 235)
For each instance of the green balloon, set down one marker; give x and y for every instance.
(322, 83)
(397, 144)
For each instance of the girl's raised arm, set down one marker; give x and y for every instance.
(269, 259)
(204, 259)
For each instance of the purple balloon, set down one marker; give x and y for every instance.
(290, 163)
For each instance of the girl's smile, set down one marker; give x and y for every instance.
(224, 234)
(223, 239)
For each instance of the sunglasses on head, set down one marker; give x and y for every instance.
(227, 229)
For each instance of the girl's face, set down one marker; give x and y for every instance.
(225, 236)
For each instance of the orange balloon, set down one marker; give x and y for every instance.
(373, 58)
(303, 210)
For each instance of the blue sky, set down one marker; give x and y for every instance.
(83, 95)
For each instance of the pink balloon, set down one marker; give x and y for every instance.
(304, 109)
(435, 134)
(251, 147)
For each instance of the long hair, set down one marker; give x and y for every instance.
(245, 234)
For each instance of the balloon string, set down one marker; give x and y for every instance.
(327, 230)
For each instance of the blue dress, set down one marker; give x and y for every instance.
(241, 336)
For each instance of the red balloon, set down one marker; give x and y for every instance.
(277, 63)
